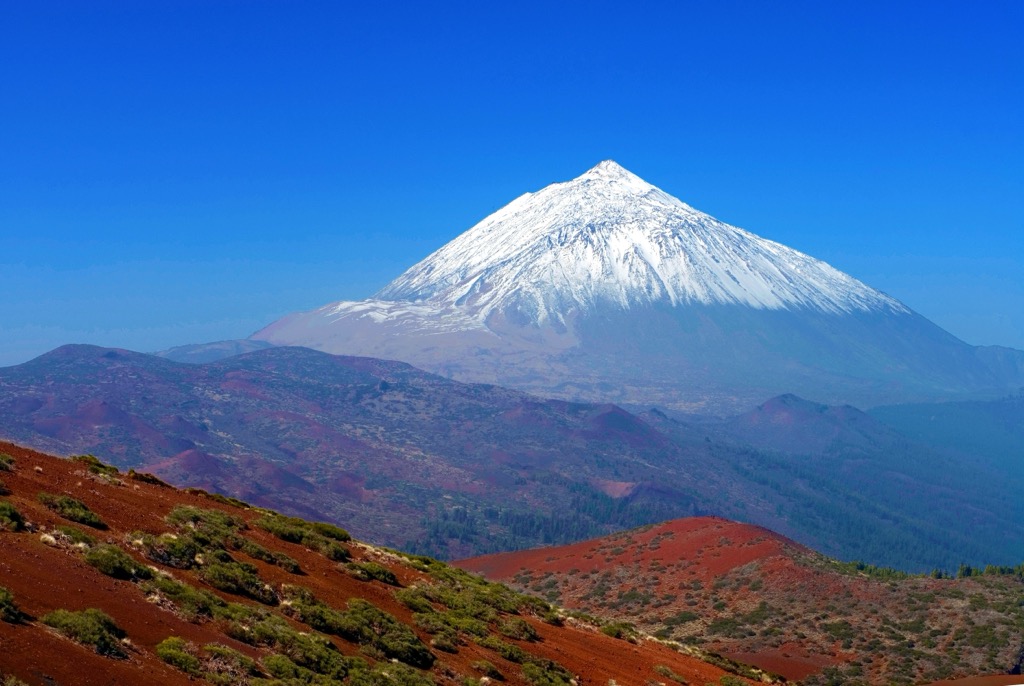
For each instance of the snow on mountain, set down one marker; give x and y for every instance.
(607, 288)
(609, 237)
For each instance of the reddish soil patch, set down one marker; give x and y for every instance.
(759, 598)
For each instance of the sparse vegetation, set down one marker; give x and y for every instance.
(95, 466)
(74, 510)
(319, 536)
(10, 518)
(371, 571)
(6, 463)
(76, 535)
(89, 627)
(361, 623)
(147, 478)
(9, 611)
(114, 562)
(622, 630)
(240, 578)
(179, 654)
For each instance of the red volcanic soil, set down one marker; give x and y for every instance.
(759, 598)
(44, 578)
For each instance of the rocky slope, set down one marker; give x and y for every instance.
(114, 578)
(752, 595)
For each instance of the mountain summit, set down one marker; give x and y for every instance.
(609, 238)
(607, 288)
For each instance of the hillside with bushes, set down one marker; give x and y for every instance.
(109, 577)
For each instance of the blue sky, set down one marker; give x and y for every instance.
(176, 172)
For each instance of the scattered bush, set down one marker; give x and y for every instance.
(317, 536)
(89, 627)
(621, 630)
(114, 562)
(10, 518)
(415, 599)
(192, 602)
(361, 623)
(240, 578)
(179, 654)
(69, 508)
(669, 674)
(226, 666)
(6, 463)
(518, 628)
(95, 466)
(168, 549)
(510, 652)
(147, 478)
(488, 670)
(368, 571)
(547, 673)
(76, 535)
(9, 611)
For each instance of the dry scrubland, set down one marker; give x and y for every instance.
(117, 578)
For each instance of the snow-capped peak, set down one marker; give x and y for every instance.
(608, 237)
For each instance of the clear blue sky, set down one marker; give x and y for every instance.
(176, 172)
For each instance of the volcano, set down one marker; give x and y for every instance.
(607, 288)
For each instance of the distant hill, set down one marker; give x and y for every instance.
(752, 595)
(199, 353)
(413, 460)
(113, 578)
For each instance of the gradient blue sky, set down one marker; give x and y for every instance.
(176, 172)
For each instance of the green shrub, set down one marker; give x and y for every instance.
(227, 666)
(95, 466)
(114, 562)
(330, 531)
(6, 463)
(389, 674)
(147, 478)
(488, 670)
(368, 571)
(547, 673)
(69, 508)
(518, 628)
(310, 652)
(415, 599)
(621, 630)
(669, 674)
(510, 652)
(89, 627)
(76, 535)
(315, 536)
(179, 654)
(258, 552)
(168, 549)
(361, 623)
(240, 578)
(11, 680)
(192, 602)
(10, 518)
(9, 611)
